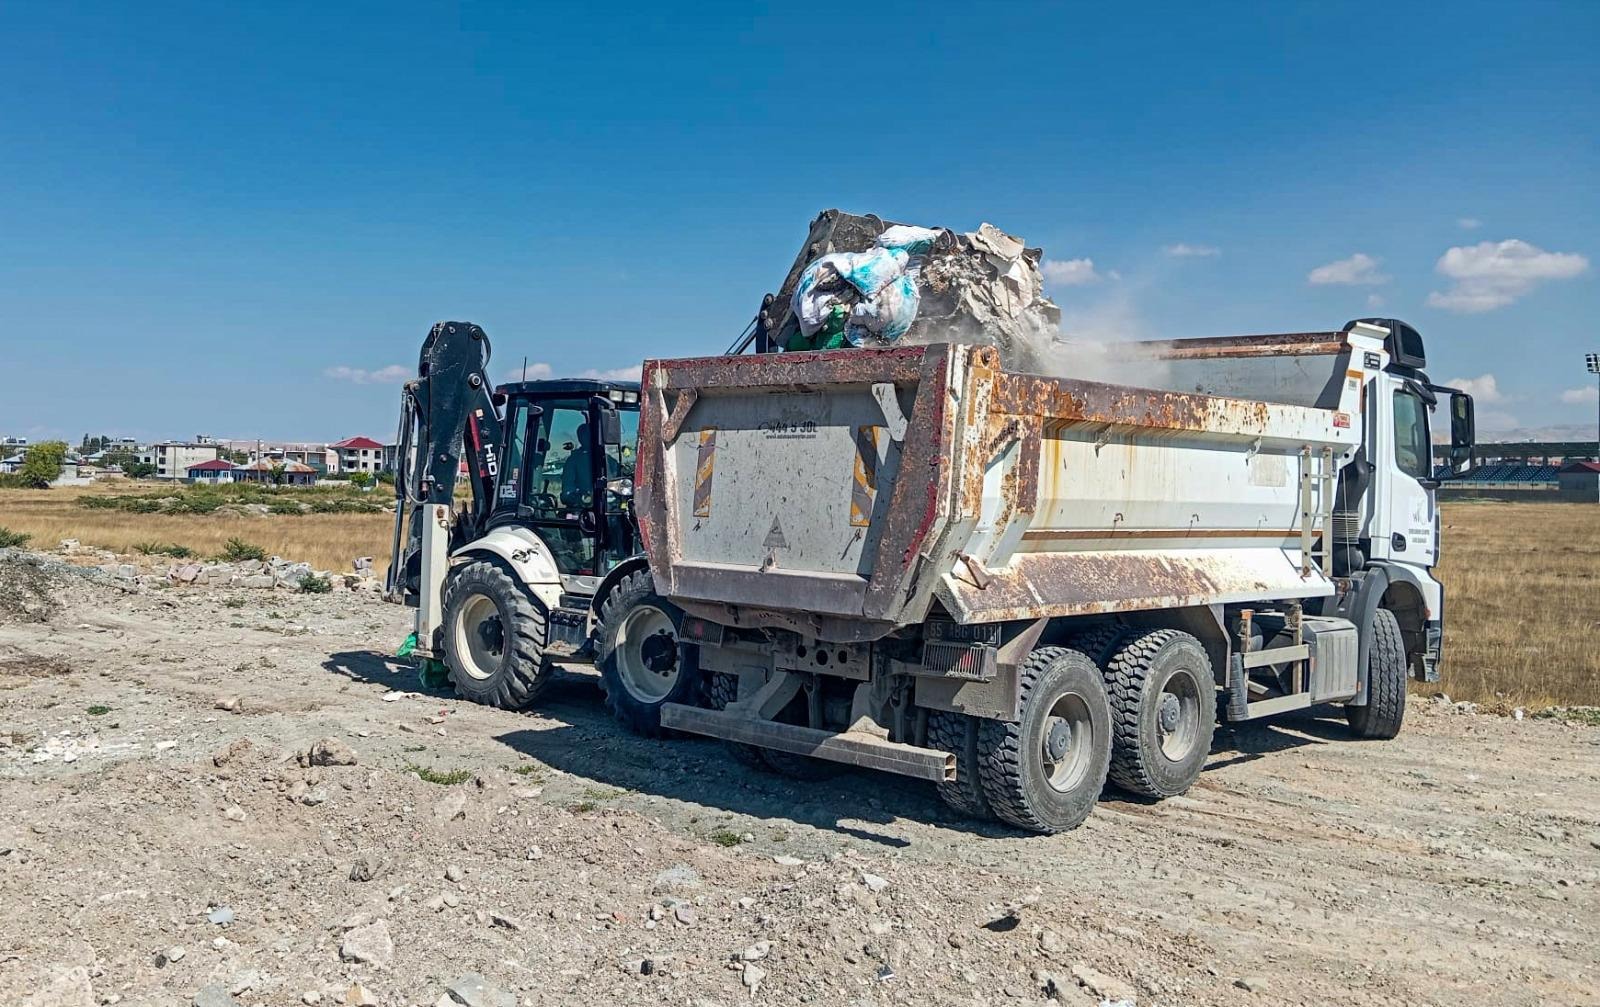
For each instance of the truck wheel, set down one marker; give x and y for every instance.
(1044, 772)
(1100, 642)
(1386, 681)
(637, 650)
(1163, 712)
(493, 638)
(957, 734)
(721, 690)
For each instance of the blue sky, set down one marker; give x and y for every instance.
(242, 219)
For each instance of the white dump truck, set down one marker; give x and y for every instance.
(913, 560)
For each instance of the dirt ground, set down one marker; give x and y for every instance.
(148, 855)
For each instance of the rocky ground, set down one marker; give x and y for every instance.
(218, 795)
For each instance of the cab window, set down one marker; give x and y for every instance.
(1412, 453)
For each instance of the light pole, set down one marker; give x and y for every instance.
(1593, 360)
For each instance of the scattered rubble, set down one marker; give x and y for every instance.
(123, 883)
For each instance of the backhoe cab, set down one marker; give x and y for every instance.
(541, 560)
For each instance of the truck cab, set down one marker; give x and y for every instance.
(1386, 518)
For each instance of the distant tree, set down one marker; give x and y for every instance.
(129, 463)
(41, 466)
(231, 455)
(277, 474)
(361, 479)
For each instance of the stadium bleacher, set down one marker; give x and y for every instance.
(1497, 473)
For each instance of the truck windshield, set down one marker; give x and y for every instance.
(1411, 451)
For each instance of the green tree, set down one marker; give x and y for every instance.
(361, 479)
(129, 463)
(277, 474)
(41, 466)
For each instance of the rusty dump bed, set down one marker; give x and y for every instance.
(845, 493)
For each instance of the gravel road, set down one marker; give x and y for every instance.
(165, 842)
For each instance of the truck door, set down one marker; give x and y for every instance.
(1403, 473)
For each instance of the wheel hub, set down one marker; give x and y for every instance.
(1058, 739)
(1170, 710)
(659, 652)
(492, 635)
(646, 654)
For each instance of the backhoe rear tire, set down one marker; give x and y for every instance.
(957, 734)
(494, 635)
(638, 652)
(1163, 712)
(1044, 772)
(1386, 682)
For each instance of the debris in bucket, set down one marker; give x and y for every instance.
(877, 284)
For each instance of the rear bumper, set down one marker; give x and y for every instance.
(862, 750)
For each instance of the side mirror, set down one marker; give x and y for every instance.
(610, 423)
(605, 432)
(1462, 433)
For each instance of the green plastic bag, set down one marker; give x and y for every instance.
(432, 674)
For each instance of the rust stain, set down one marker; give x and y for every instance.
(1273, 345)
(1037, 584)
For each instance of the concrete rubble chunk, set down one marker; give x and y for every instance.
(214, 996)
(330, 752)
(473, 990)
(359, 996)
(370, 945)
(1101, 985)
(67, 988)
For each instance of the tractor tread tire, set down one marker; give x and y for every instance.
(1381, 718)
(524, 673)
(1008, 783)
(1129, 676)
(636, 715)
(957, 734)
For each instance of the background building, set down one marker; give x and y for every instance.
(359, 454)
(173, 458)
(217, 470)
(1580, 481)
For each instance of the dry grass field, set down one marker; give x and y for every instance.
(326, 541)
(1522, 580)
(1522, 604)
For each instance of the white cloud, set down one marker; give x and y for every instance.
(1581, 396)
(1360, 270)
(1069, 272)
(393, 374)
(1185, 251)
(1375, 300)
(1483, 388)
(628, 373)
(1493, 274)
(1468, 223)
(537, 370)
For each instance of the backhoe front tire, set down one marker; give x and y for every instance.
(494, 635)
(640, 656)
(1044, 772)
(1381, 718)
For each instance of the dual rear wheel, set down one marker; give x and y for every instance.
(1137, 708)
